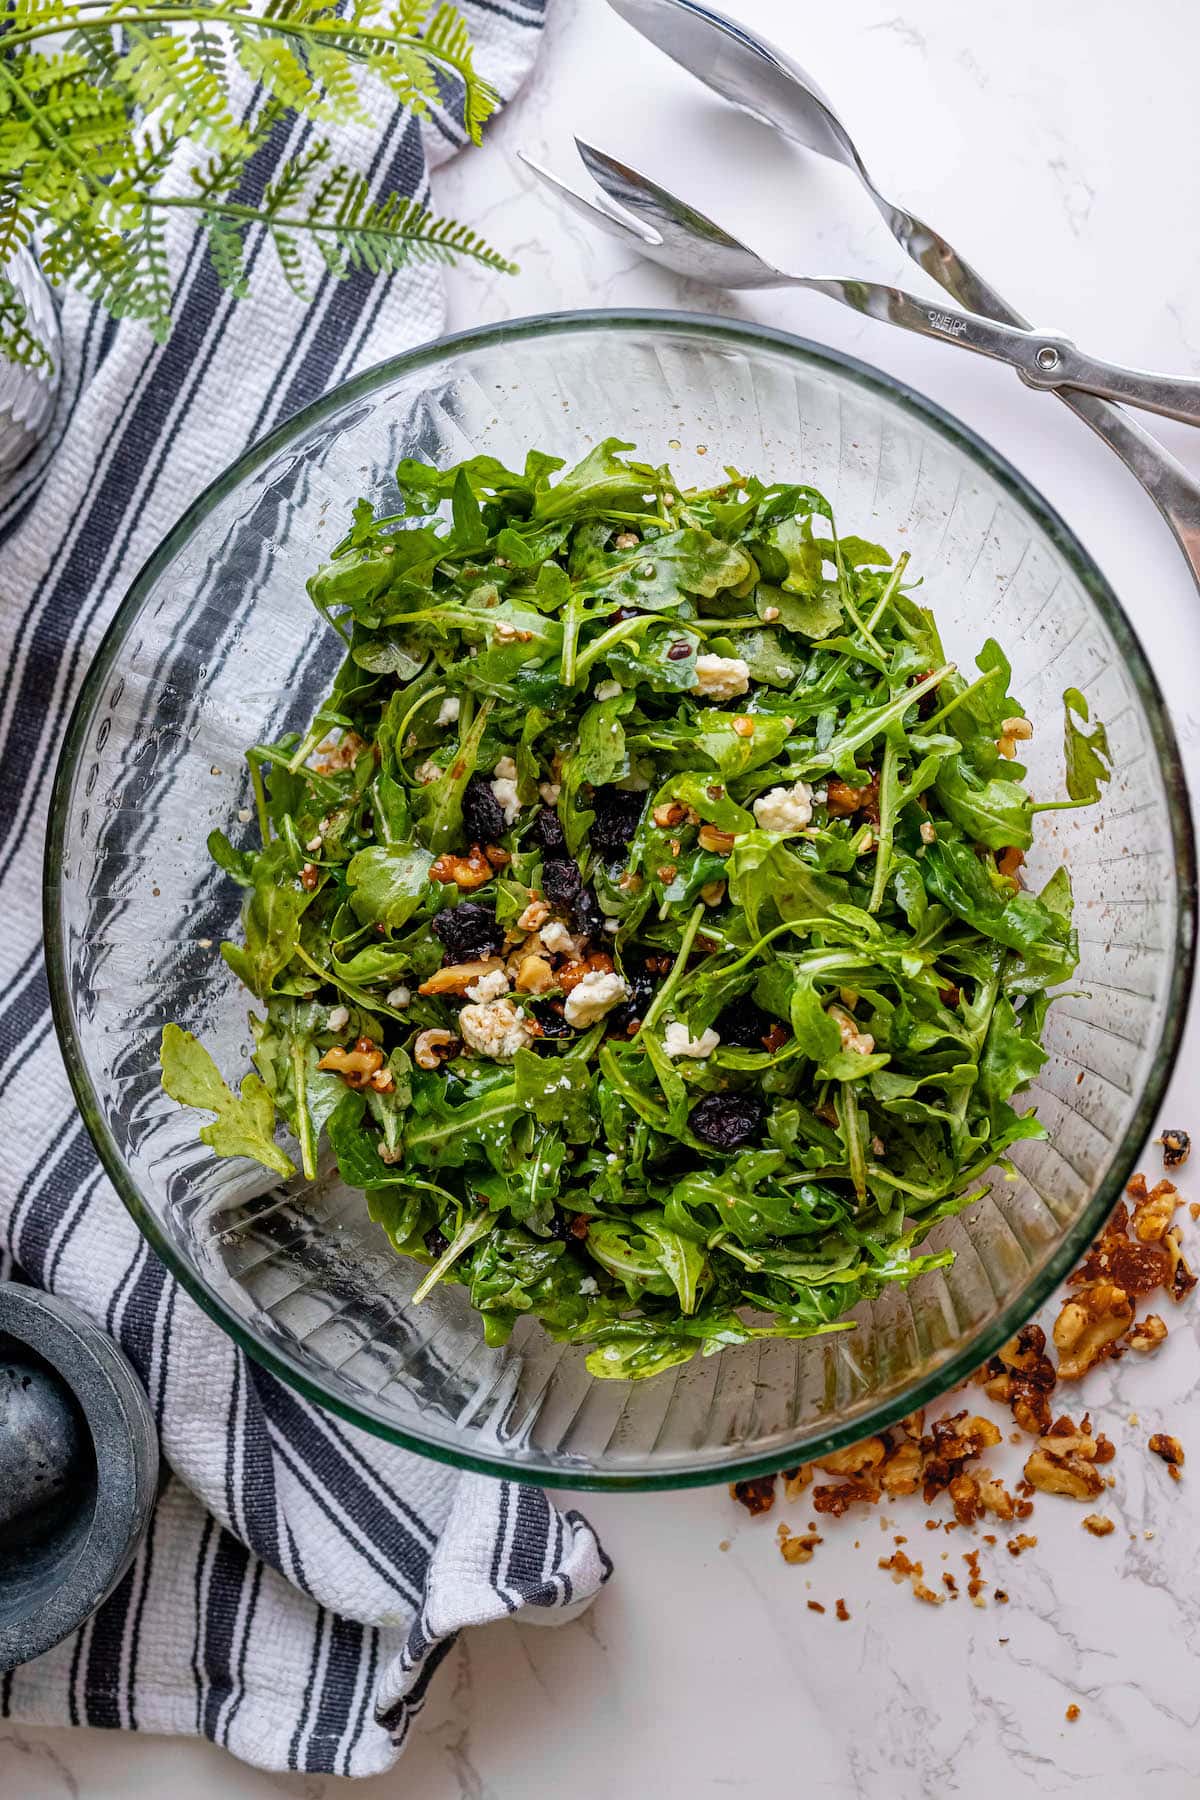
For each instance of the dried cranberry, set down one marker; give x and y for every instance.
(632, 1011)
(436, 1241)
(679, 650)
(550, 1017)
(744, 1023)
(467, 931)
(546, 833)
(727, 1120)
(483, 815)
(618, 812)
(561, 880)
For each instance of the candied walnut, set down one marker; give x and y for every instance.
(815, 1606)
(994, 1497)
(1176, 1148)
(1153, 1214)
(1022, 1541)
(456, 978)
(469, 871)
(951, 1443)
(1088, 1327)
(310, 877)
(1010, 862)
(841, 800)
(1071, 1714)
(534, 975)
(433, 1047)
(357, 1066)
(572, 973)
(709, 837)
(856, 1459)
(839, 1611)
(1181, 1281)
(1063, 1464)
(903, 1568)
(795, 1547)
(796, 1480)
(1030, 1404)
(836, 1501)
(668, 814)
(757, 1494)
(1137, 1267)
(901, 1473)
(1098, 1525)
(1148, 1333)
(1171, 1451)
(964, 1497)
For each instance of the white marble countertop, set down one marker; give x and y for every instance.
(1056, 147)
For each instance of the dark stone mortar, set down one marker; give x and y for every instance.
(78, 1469)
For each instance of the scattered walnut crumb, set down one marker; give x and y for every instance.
(724, 1544)
(1088, 1327)
(796, 1480)
(1176, 1148)
(757, 1494)
(795, 1548)
(1022, 1541)
(975, 1582)
(815, 1606)
(1148, 1333)
(902, 1568)
(839, 1609)
(950, 1583)
(1071, 1714)
(1171, 1451)
(1001, 1597)
(1098, 1525)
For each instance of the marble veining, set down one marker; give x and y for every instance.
(1057, 148)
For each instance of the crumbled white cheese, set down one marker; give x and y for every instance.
(721, 677)
(489, 986)
(399, 997)
(595, 995)
(506, 795)
(495, 1028)
(245, 814)
(314, 843)
(589, 1285)
(448, 711)
(506, 769)
(785, 809)
(612, 926)
(678, 1041)
(549, 790)
(606, 690)
(428, 771)
(339, 1018)
(558, 940)
(928, 832)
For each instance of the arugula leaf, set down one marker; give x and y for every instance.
(244, 1124)
(1089, 761)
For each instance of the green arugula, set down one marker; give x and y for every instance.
(834, 980)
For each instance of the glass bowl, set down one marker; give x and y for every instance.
(217, 647)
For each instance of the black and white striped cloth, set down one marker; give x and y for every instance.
(300, 1582)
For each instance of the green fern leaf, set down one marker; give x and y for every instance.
(335, 71)
(226, 249)
(178, 89)
(17, 342)
(446, 36)
(280, 70)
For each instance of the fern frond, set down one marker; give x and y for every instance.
(407, 75)
(16, 226)
(40, 72)
(226, 249)
(335, 71)
(446, 36)
(173, 85)
(280, 70)
(17, 342)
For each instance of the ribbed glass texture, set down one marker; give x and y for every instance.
(217, 647)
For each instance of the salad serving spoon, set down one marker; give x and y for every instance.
(687, 241)
(765, 82)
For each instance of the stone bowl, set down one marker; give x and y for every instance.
(78, 1470)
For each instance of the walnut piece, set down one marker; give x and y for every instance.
(757, 1494)
(796, 1480)
(1154, 1210)
(711, 838)
(433, 1046)
(534, 975)
(356, 1067)
(469, 871)
(1064, 1461)
(456, 978)
(1088, 1327)
(856, 1459)
(1098, 1525)
(1181, 1281)
(1148, 1333)
(1176, 1148)
(797, 1548)
(1171, 1451)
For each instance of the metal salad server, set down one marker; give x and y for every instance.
(766, 83)
(687, 241)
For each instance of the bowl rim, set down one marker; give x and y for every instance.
(718, 332)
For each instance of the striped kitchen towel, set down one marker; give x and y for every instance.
(301, 1581)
